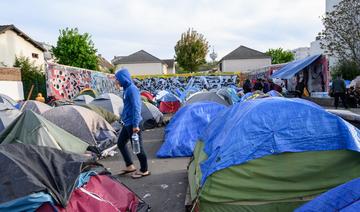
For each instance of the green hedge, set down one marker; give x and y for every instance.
(31, 75)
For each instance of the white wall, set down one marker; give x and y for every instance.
(301, 53)
(171, 70)
(143, 68)
(164, 69)
(11, 44)
(14, 89)
(244, 65)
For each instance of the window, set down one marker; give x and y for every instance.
(34, 55)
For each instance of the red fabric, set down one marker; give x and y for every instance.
(147, 95)
(169, 107)
(113, 195)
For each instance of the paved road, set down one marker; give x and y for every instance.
(165, 188)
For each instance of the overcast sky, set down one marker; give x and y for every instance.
(122, 27)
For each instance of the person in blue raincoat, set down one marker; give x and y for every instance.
(131, 117)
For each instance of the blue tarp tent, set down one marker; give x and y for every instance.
(261, 127)
(292, 68)
(274, 93)
(184, 128)
(345, 197)
(246, 96)
(165, 96)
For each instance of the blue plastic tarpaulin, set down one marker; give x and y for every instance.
(345, 197)
(185, 127)
(292, 68)
(261, 127)
(27, 203)
(84, 178)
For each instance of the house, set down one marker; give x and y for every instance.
(170, 63)
(10, 83)
(104, 65)
(301, 53)
(15, 43)
(141, 63)
(244, 59)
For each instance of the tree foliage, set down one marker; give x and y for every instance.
(341, 35)
(279, 56)
(349, 70)
(191, 50)
(31, 75)
(75, 49)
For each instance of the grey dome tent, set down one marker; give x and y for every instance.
(109, 102)
(7, 115)
(4, 99)
(108, 116)
(151, 115)
(36, 106)
(83, 99)
(84, 124)
(26, 169)
(31, 128)
(203, 96)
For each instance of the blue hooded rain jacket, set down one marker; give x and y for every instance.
(131, 115)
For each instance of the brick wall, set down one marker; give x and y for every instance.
(10, 74)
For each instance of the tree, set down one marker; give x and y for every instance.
(341, 35)
(349, 70)
(75, 49)
(191, 50)
(279, 56)
(31, 75)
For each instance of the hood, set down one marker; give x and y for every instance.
(123, 76)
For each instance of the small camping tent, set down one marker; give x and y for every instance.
(83, 99)
(259, 156)
(5, 99)
(27, 169)
(206, 96)
(169, 103)
(36, 106)
(45, 179)
(229, 94)
(109, 102)
(345, 197)
(101, 193)
(108, 116)
(84, 124)
(151, 116)
(31, 128)
(147, 95)
(185, 127)
(8, 114)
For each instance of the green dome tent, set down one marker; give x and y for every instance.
(271, 154)
(31, 128)
(273, 183)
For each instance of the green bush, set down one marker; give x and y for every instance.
(31, 75)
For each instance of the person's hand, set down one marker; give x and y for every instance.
(136, 130)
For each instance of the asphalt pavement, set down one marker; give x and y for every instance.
(165, 189)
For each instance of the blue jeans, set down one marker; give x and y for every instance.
(125, 136)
